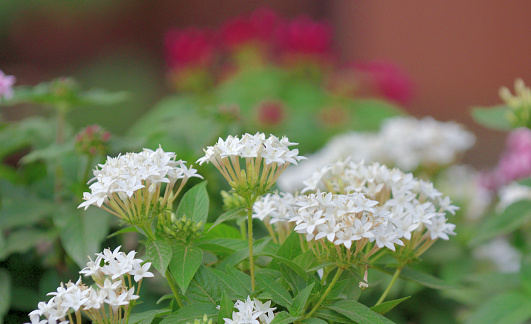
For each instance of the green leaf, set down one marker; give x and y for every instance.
(388, 305)
(190, 313)
(525, 182)
(278, 293)
(128, 229)
(494, 117)
(223, 245)
(228, 215)
(49, 153)
(368, 114)
(510, 219)
(81, 232)
(331, 316)
(299, 302)
(204, 288)
(160, 254)
(509, 308)
(284, 318)
(184, 264)
(194, 204)
(314, 320)
(148, 316)
(291, 247)
(235, 288)
(21, 240)
(226, 307)
(5, 296)
(243, 278)
(358, 313)
(420, 278)
(222, 230)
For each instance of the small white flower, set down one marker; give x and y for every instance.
(141, 271)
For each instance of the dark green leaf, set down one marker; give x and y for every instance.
(204, 288)
(231, 285)
(226, 307)
(291, 247)
(314, 320)
(5, 296)
(190, 313)
(194, 204)
(243, 278)
(493, 117)
(299, 302)
(228, 215)
(388, 305)
(223, 245)
(510, 219)
(358, 313)
(331, 316)
(81, 232)
(160, 254)
(184, 264)
(278, 293)
(147, 316)
(21, 240)
(508, 308)
(284, 318)
(21, 207)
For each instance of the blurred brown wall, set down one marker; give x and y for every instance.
(458, 52)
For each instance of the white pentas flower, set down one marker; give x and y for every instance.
(252, 163)
(129, 186)
(113, 292)
(251, 312)
(404, 142)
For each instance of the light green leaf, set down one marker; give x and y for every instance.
(525, 182)
(128, 229)
(299, 302)
(5, 295)
(420, 278)
(49, 153)
(331, 316)
(368, 114)
(160, 254)
(358, 313)
(388, 305)
(510, 219)
(314, 320)
(190, 313)
(222, 230)
(228, 215)
(81, 232)
(226, 307)
(509, 308)
(284, 318)
(243, 279)
(494, 117)
(194, 204)
(291, 247)
(184, 264)
(269, 285)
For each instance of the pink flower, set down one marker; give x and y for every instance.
(305, 36)
(271, 112)
(391, 81)
(259, 27)
(191, 47)
(6, 85)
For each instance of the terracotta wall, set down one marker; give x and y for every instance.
(458, 52)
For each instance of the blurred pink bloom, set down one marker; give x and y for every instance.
(259, 27)
(271, 112)
(6, 85)
(191, 47)
(390, 80)
(305, 36)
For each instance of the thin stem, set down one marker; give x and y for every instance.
(395, 276)
(250, 204)
(327, 291)
(174, 289)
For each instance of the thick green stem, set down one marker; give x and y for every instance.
(250, 237)
(325, 294)
(174, 288)
(395, 276)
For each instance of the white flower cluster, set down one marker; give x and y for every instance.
(277, 206)
(272, 149)
(109, 271)
(135, 176)
(251, 312)
(403, 142)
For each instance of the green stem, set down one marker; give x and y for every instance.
(250, 204)
(395, 276)
(174, 289)
(323, 296)
(88, 167)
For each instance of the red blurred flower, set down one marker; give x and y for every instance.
(271, 112)
(390, 80)
(259, 27)
(190, 47)
(305, 36)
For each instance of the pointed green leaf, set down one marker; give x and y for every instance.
(358, 313)
(284, 318)
(148, 316)
(388, 305)
(299, 302)
(291, 247)
(223, 245)
(190, 313)
(160, 254)
(494, 117)
(231, 285)
(222, 230)
(194, 204)
(278, 293)
(228, 215)
(128, 229)
(184, 264)
(331, 316)
(243, 278)
(226, 307)
(204, 288)
(509, 308)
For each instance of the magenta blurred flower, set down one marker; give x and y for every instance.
(189, 48)
(389, 79)
(305, 36)
(515, 163)
(259, 27)
(271, 112)
(6, 85)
